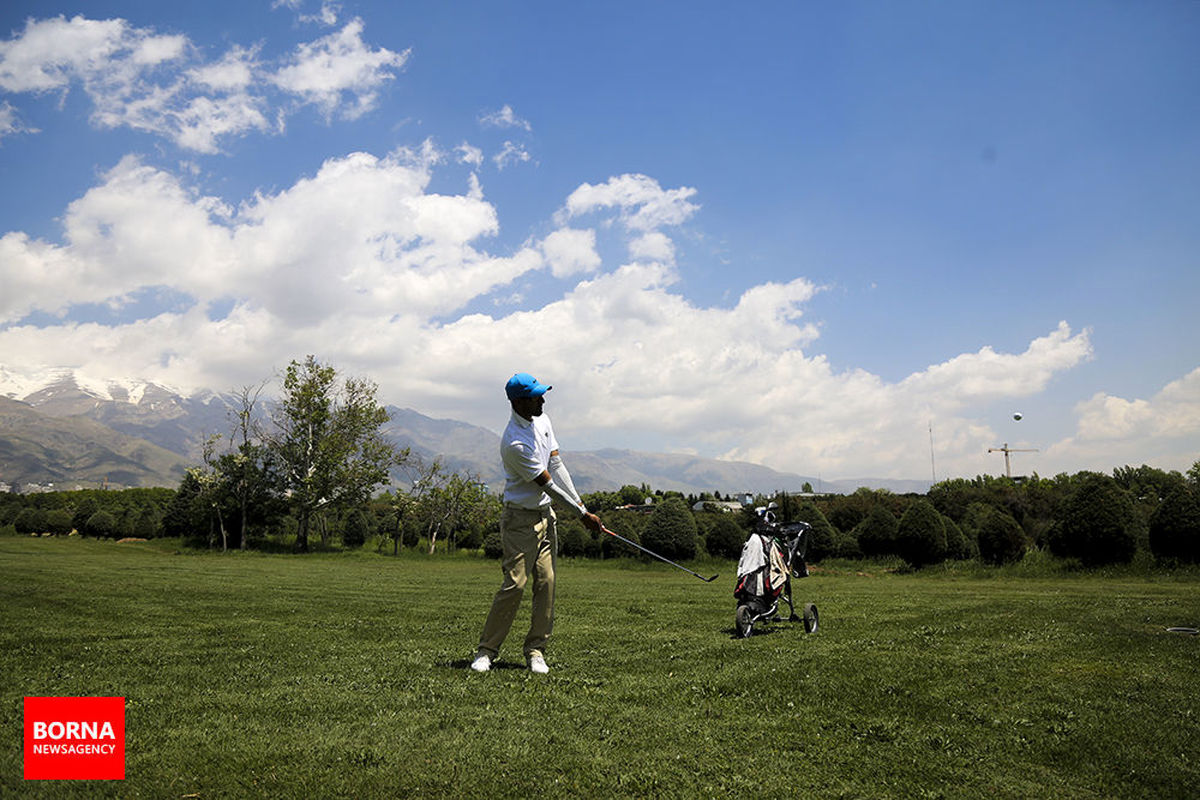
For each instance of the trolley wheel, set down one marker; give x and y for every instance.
(811, 619)
(745, 620)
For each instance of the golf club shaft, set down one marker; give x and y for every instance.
(656, 555)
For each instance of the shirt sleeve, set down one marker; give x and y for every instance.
(521, 461)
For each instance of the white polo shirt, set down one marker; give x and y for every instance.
(525, 448)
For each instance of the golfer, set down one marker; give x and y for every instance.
(533, 473)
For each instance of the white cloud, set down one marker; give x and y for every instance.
(569, 251)
(468, 154)
(653, 246)
(158, 84)
(49, 54)
(324, 72)
(505, 118)
(512, 153)
(1113, 431)
(644, 205)
(10, 122)
(234, 72)
(987, 374)
(326, 15)
(362, 264)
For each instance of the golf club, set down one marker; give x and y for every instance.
(656, 555)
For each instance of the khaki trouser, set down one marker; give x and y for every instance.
(530, 541)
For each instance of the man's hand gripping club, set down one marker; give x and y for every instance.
(556, 482)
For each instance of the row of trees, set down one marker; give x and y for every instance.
(312, 464)
(1093, 518)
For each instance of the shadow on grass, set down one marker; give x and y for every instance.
(756, 631)
(465, 663)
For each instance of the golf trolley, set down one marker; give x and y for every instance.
(773, 555)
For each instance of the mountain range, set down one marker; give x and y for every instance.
(63, 428)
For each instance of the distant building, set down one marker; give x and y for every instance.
(727, 506)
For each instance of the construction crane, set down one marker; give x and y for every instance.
(1006, 450)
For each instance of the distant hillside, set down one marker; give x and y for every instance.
(145, 433)
(462, 447)
(36, 448)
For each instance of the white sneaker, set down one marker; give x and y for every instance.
(537, 665)
(482, 663)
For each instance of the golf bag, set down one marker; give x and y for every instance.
(772, 555)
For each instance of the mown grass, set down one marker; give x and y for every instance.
(345, 675)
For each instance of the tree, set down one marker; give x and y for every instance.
(1175, 526)
(147, 524)
(1097, 524)
(185, 516)
(671, 531)
(213, 485)
(102, 525)
(1001, 540)
(448, 501)
(327, 442)
(921, 535)
(632, 495)
(612, 547)
(957, 545)
(572, 538)
(59, 521)
(876, 534)
(30, 520)
(821, 537)
(357, 529)
(83, 512)
(493, 545)
(248, 467)
(726, 538)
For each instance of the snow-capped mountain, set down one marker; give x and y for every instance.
(159, 414)
(73, 410)
(52, 384)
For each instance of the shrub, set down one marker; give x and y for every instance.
(101, 525)
(470, 538)
(1097, 525)
(357, 529)
(1001, 540)
(493, 545)
(876, 534)
(59, 522)
(571, 536)
(957, 545)
(83, 512)
(845, 545)
(921, 536)
(1175, 526)
(30, 520)
(726, 538)
(148, 524)
(820, 541)
(611, 547)
(671, 531)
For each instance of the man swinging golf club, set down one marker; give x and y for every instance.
(534, 473)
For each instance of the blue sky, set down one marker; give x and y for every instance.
(792, 233)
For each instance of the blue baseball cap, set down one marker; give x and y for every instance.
(524, 385)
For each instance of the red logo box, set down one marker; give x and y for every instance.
(74, 738)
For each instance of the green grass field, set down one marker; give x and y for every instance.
(345, 676)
